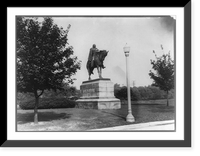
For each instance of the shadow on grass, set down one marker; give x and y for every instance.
(23, 118)
(115, 114)
(144, 113)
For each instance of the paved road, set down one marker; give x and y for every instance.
(150, 126)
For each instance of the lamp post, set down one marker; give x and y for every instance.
(130, 117)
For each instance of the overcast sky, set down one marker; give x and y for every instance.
(142, 34)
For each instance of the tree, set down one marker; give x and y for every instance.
(121, 93)
(144, 92)
(163, 74)
(70, 91)
(156, 92)
(149, 93)
(44, 58)
(135, 94)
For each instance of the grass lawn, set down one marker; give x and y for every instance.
(74, 119)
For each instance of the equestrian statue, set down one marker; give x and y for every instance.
(95, 60)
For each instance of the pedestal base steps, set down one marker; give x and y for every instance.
(98, 94)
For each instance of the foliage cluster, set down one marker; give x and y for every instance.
(48, 103)
(142, 93)
(163, 72)
(43, 58)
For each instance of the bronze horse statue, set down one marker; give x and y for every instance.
(97, 62)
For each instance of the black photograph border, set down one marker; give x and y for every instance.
(126, 143)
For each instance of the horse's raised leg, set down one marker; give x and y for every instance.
(99, 69)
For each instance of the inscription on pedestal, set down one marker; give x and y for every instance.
(86, 91)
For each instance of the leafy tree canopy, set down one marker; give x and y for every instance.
(44, 57)
(163, 72)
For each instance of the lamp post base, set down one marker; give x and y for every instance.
(130, 118)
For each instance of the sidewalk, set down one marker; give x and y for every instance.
(167, 125)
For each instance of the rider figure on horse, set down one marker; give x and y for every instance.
(92, 53)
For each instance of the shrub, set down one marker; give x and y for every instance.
(121, 93)
(135, 94)
(48, 103)
(22, 97)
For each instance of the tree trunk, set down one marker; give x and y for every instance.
(36, 110)
(167, 99)
(36, 105)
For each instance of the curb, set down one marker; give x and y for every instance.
(157, 125)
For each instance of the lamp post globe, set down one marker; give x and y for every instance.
(130, 117)
(126, 50)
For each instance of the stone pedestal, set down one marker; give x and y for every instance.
(98, 94)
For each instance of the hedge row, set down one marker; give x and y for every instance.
(142, 93)
(48, 103)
